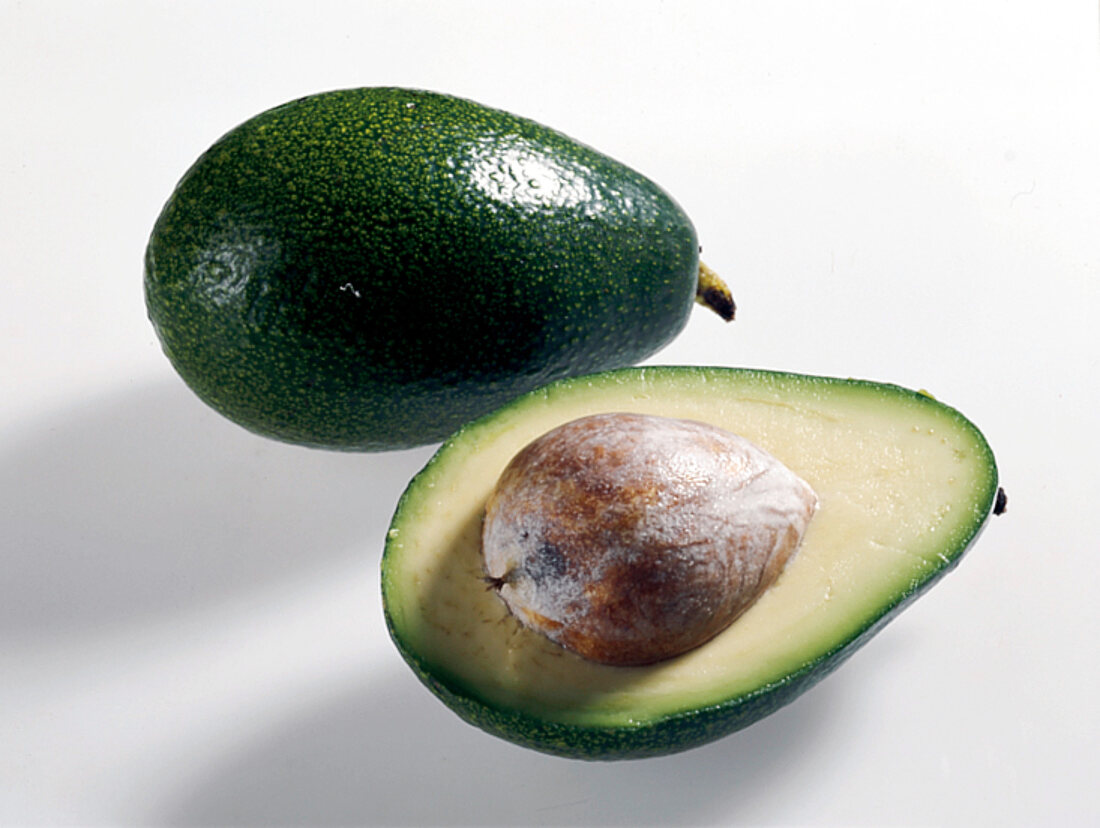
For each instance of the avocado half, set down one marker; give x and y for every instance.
(905, 485)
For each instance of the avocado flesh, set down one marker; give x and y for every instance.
(905, 484)
(367, 269)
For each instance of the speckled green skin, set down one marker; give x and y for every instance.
(368, 269)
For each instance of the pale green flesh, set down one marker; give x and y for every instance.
(904, 484)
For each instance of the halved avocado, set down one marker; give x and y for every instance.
(905, 484)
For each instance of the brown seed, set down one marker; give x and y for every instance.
(629, 539)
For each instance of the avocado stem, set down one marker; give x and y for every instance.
(712, 292)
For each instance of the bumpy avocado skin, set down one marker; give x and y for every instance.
(368, 269)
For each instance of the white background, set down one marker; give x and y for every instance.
(190, 626)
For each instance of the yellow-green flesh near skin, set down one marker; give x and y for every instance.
(905, 484)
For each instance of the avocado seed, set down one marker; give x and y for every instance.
(629, 539)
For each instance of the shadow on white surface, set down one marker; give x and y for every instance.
(387, 753)
(144, 503)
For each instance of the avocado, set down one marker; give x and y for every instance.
(367, 269)
(904, 485)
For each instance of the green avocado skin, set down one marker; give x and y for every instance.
(368, 269)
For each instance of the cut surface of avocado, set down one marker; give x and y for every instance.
(905, 484)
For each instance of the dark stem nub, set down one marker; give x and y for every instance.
(712, 292)
(1001, 506)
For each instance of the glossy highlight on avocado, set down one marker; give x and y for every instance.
(368, 269)
(905, 484)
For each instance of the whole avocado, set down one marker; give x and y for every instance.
(368, 269)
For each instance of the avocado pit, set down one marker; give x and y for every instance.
(629, 539)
